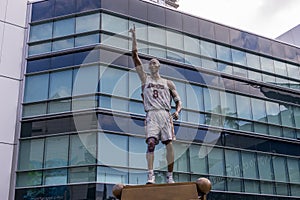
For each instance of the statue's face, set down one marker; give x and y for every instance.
(154, 66)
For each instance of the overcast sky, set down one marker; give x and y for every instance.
(269, 18)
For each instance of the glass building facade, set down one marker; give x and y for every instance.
(82, 125)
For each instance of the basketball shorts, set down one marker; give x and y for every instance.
(159, 125)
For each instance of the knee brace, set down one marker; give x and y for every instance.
(151, 145)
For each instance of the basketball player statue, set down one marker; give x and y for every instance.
(157, 93)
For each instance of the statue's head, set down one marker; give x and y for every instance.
(154, 65)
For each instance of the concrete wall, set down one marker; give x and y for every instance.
(12, 31)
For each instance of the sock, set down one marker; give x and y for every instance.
(151, 171)
(170, 174)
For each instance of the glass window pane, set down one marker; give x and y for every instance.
(180, 87)
(224, 53)
(251, 186)
(279, 168)
(228, 104)
(114, 103)
(140, 29)
(64, 27)
(293, 170)
(82, 174)
(34, 109)
(232, 159)
(63, 44)
(191, 44)
(209, 64)
(238, 57)
(137, 177)
(84, 85)
(137, 152)
(240, 71)
(135, 88)
(114, 81)
(36, 88)
(195, 97)
(198, 159)
(157, 35)
(181, 159)
(114, 41)
(253, 61)
(264, 167)
(249, 165)
(86, 40)
(275, 130)
(192, 60)
(208, 49)
(136, 107)
(296, 110)
(225, 68)
(234, 184)
(26, 179)
(114, 24)
(266, 187)
(87, 23)
(56, 151)
(295, 190)
(258, 110)
(55, 177)
(267, 64)
(280, 68)
(174, 40)
(260, 128)
(286, 113)
(40, 32)
(254, 75)
(273, 113)
(60, 84)
(84, 102)
(211, 100)
(216, 161)
(39, 48)
(288, 132)
(31, 154)
(243, 107)
(118, 150)
(293, 71)
(59, 106)
(156, 51)
(218, 183)
(82, 149)
(112, 175)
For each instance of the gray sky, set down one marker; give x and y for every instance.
(269, 18)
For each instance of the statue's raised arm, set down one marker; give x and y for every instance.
(135, 56)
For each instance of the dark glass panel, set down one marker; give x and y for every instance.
(172, 71)
(194, 75)
(291, 53)
(42, 10)
(136, 126)
(64, 7)
(227, 83)
(250, 41)
(62, 61)
(173, 19)
(86, 57)
(156, 14)
(29, 129)
(114, 58)
(242, 87)
(138, 9)
(236, 38)
(104, 191)
(85, 122)
(83, 5)
(60, 125)
(87, 192)
(222, 33)
(278, 50)
(38, 65)
(118, 6)
(113, 123)
(206, 29)
(190, 24)
(264, 45)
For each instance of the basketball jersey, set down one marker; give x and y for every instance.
(156, 94)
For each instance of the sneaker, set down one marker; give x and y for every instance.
(151, 178)
(170, 179)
